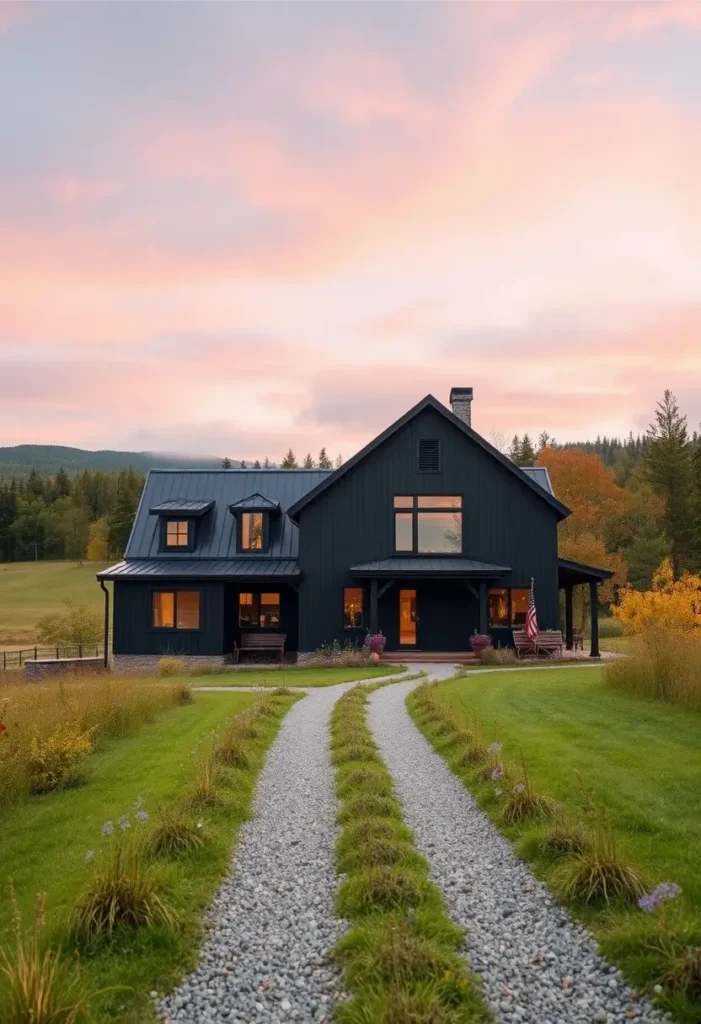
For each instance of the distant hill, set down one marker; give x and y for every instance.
(48, 458)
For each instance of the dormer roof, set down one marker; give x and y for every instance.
(176, 507)
(255, 503)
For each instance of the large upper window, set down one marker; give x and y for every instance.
(260, 611)
(177, 533)
(352, 607)
(252, 524)
(175, 609)
(508, 606)
(428, 524)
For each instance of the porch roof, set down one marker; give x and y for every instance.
(571, 574)
(429, 567)
(202, 568)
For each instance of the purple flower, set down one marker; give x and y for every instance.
(498, 771)
(660, 894)
(124, 823)
(107, 829)
(141, 817)
(495, 748)
(89, 856)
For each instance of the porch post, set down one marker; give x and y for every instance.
(483, 606)
(594, 612)
(569, 630)
(373, 605)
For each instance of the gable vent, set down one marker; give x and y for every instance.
(429, 460)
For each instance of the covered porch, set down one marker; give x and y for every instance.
(570, 575)
(426, 604)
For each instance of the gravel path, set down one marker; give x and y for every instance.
(273, 918)
(537, 966)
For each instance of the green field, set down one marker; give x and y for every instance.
(581, 741)
(29, 590)
(43, 845)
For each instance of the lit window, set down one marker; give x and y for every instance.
(259, 611)
(177, 533)
(499, 607)
(519, 606)
(435, 532)
(252, 531)
(352, 607)
(179, 609)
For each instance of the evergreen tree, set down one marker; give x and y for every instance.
(289, 462)
(75, 530)
(256, 464)
(339, 461)
(243, 464)
(324, 462)
(308, 461)
(34, 485)
(670, 470)
(546, 441)
(527, 453)
(515, 450)
(226, 462)
(61, 484)
(266, 462)
(645, 553)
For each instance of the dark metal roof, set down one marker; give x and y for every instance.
(427, 566)
(429, 402)
(255, 503)
(572, 573)
(177, 507)
(201, 568)
(541, 476)
(216, 535)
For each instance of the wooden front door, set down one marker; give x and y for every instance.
(407, 618)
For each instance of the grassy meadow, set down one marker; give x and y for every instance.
(587, 745)
(29, 590)
(154, 768)
(290, 675)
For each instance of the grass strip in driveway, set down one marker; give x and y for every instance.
(400, 959)
(289, 675)
(584, 744)
(43, 845)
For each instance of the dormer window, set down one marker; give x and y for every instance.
(252, 529)
(177, 533)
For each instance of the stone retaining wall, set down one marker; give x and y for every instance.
(43, 667)
(150, 662)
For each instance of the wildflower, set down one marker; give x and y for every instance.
(199, 824)
(141, 817)
(138, 803)
(3, 727)
(497, 791)
(498, 771)
(107, 828)
(124, 823)
(495, 748)
(660, 894)
(520, 788)
(89, 856)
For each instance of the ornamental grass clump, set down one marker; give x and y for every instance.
(363, 780)
(123, 891)
(380, 889)
(54, 760)
(175, 831)
(522, 803)
(170, 667)
(596, 874)
(563, 837)
(208, 779)
(683, 972)
(364, 753)
(230, 749)
(41, 986)
(369, 805)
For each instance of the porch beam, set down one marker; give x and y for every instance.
(483, 606)
(473, 589)
(569, 624)
(373, 605)
(384, 588)
(594, 651)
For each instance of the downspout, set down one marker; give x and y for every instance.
(107, 622)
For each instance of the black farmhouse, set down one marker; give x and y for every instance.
(427, 534)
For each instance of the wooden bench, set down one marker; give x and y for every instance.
(251, 643)
(548, 641)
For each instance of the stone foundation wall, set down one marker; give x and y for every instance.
(149, 662)
(39, 669)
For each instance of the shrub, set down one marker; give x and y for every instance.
(498, 656)
(381, 888)
(175, 832)
(77, 627)
(348, 654)
(170, 667)
(562, 838)
(53, 760)
(375, 643)
(670, 605)
(41, 987)
(183, 693)
(368, 805)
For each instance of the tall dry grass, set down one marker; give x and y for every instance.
(48, 729)
(660, 665)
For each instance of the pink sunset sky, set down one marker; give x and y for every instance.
(231, 228)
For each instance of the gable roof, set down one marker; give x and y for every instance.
(541, 476)
(216, 537)
(255, 502)
(429, 402)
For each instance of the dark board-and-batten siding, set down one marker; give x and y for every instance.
(504, 522)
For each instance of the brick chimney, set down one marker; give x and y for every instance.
(461, 404)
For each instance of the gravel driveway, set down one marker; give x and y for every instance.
(273, 918)
(537, 966)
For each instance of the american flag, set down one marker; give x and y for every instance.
(531, 617)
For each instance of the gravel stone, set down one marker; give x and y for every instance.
(272, 920)
(536, 964)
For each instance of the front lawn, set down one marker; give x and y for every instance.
(44, 841)
(289, 675)
(582, 741)
(30, 590)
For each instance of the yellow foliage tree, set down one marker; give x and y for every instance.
(672, 605)
(98, 548)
